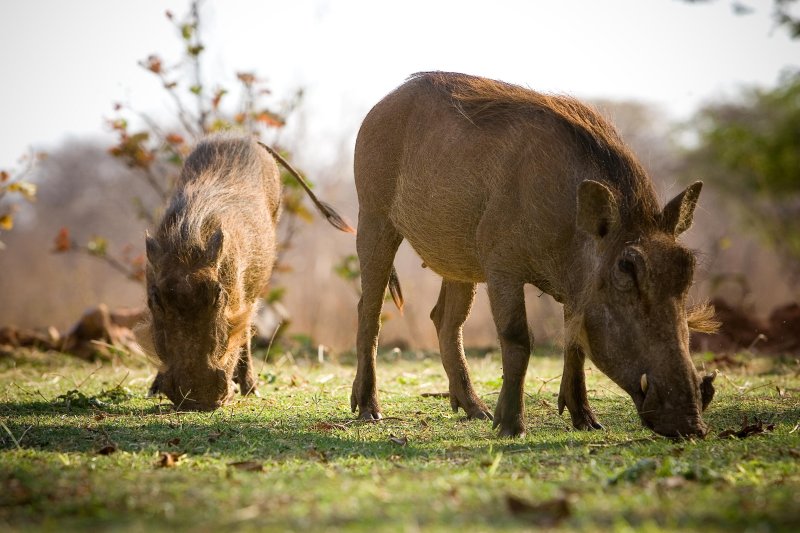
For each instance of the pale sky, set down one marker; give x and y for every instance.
(63, 63)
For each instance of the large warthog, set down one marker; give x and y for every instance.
(208, 262)
(490, 182)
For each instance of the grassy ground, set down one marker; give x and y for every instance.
(80, 447)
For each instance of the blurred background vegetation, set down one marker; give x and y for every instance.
(93, 203)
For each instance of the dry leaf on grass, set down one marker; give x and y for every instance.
(174, 442)
(401, 441)
(247, 466)
(169, 459)
(756, 428)
(545, 514)
(108, 449)
(327, 426)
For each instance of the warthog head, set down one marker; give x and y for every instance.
(635, 323)
(194, 336)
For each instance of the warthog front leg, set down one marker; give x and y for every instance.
(449, 314)
(573, 390)
(377, 242)
(244, 374)
(508, 308)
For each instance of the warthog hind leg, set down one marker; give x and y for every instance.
(573, 390)
(377, 242)
(449, 314)
(508, 308)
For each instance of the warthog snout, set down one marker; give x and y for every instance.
(658, 413)
(207, 390)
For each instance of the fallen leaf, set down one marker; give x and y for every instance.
(402, 441)
(247, 466)
(108, 449)
(169, 459)
(756, 428)
(297, 381)
(328, 426)
(174, 442)
(314, 453)
(545, 514)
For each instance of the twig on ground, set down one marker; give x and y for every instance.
(435, 394)
(545, 382)
(92, 373)
(13, 438)
(17, 385)
(621, 443)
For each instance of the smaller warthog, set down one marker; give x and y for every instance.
(208, 262)
(494, 183)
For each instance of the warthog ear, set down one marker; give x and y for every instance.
(679, 212)
(598, 214)
(214, 247)
(152, 247)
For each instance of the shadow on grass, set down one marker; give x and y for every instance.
(42, 426)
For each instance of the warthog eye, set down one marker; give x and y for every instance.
(627, 266)
(216, 292)
(625, 275)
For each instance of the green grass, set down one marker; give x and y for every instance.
(324, 471)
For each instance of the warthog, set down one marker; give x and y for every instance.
(209, 260)
(490, 182)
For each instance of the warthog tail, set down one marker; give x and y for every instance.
(327, 211)
(336, 221)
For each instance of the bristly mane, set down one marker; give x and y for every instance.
(488, 102)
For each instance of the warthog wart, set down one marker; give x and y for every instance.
(207, 263)
(491, 182)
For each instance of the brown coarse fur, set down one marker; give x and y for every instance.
(494, 183)
(209, 260)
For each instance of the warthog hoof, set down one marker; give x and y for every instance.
(365, 403)
(471, 405)
(510, 424)
(512, 431)
(582, 415)
(369, 415)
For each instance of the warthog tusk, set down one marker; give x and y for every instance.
(643, 383)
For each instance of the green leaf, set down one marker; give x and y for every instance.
(187, 30)
(98, 246)
(275, 294)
